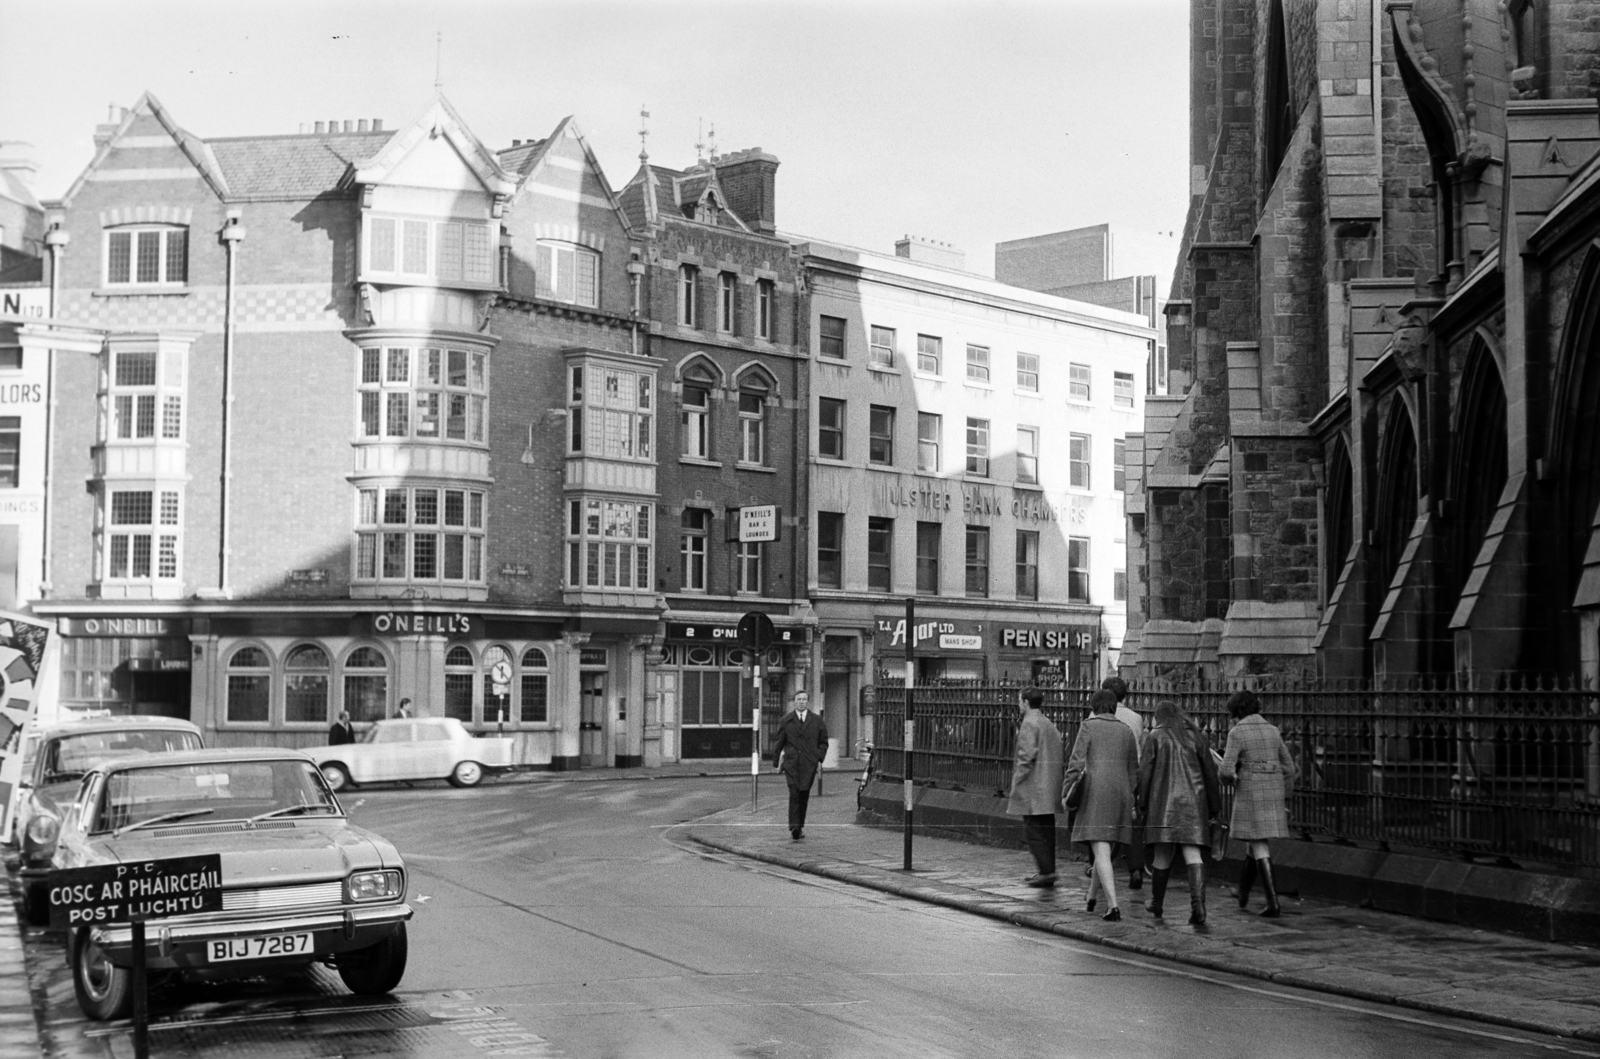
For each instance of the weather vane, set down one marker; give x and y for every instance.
(644, 134)
(438, 60)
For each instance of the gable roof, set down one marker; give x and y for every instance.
(292, 167)
(439, 119)
(193, 147)
(526, 162)
(654, 188)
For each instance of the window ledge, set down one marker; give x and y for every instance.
(141, 292)
(842, 362)
(978, 384)
(1031, 487)
(831, 461)
(699, 461)
(759, 468)
(884, 369)
(1035, 394)
(930, 376)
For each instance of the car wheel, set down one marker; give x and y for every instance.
(376, 969)
(467, 774)
(337, 776)
(36, 904)
(104, 990)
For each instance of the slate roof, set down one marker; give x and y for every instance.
(519, 161)
(292, 167)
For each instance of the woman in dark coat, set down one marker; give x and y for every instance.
(1106, 757)
(1178, 797)
(1259, 764)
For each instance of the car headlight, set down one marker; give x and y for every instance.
(375, 886)
(43, 829)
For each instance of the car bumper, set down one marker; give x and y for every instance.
(184, 942)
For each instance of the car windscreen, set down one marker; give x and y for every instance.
(211, 792)
(70, 756)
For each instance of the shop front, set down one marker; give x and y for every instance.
(992, 649)
(123, 665)
(707, 687)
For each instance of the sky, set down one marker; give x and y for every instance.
(966, 121)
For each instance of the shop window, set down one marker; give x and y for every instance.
(366, 685)
(608, 545)
(830, 549)
(424, 393)
(880, 553)
(443, 251)
(305, 685)
(535, 703)
(929, 536)
(977, 561)
(569, 273)
(496, 692)
(1027, 564)
(249, 686)
(419, 534)
(459, 670)
(147, 256)
(612, 412)
(830, 428)
(696, 527)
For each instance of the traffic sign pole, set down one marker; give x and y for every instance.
(910, 738)
(756, 634)
(755, 744)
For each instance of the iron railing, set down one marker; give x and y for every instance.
(1509, 773)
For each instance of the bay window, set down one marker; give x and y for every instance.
(426, 393)
(608, 544)
(141, 535)
(611, 412)
(441, 251)
(409, 533)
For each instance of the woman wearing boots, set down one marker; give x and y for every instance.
(1178, 796)
(1106, 758)
(1259, 766)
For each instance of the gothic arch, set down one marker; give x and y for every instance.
(759, 374)
(1573, 445)
(1277, 99)
(698, 365)
(1338, 513)
(1479, 460)
(1397, 496)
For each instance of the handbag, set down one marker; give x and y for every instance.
(1074, 796)
(1219, 840)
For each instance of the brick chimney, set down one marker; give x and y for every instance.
(930, 252)
(16, 158)
(748, 179)
(103, 133)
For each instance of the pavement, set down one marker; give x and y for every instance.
(1501, 979)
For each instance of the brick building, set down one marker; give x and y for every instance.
(723, 301)
(1378, 455)
(324, 450)
(966, 451)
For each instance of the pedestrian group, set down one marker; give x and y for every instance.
(1126, 788)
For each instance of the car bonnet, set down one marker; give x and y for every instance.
(271, 853)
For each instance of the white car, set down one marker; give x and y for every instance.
(413, 748)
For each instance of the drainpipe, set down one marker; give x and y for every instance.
(232, 233)
(1377, 128)
(56, 239)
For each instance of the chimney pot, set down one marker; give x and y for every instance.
(361, 125)
(377, 124)
(320, 128)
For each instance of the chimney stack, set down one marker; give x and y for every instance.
(103, 133)
(320, 127)
(16, 157)
(749, 180)
(361, 125)
(377, 124)
(931, 252)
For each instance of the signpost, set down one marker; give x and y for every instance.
(132, 893)
(756, 635)
(910, 737)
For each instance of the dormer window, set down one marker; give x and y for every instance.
(568, 273)
(410, 249)
(147, 256)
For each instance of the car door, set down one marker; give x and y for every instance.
(392, 752)
(438, 747)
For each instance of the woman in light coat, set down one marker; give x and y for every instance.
(1259, 765)
(1106, 756)
(1178, 797)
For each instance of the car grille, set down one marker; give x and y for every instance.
(275, 897)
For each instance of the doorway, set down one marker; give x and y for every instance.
(836, 711)
(591, 720)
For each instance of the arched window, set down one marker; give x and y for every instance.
(249, 686)
(305, 685)
(459, 670)
(1339, 514)
(1397, 497)
(366, 684)
(1480, 464)
(1277, 112)
(695, 416)
(497, 673)
(535, 687)
(753, 419)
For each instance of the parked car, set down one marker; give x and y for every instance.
(413, 748)
(53, 763)
(300, 882)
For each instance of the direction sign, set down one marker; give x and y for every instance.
(756, 632)
(122, 893)
(758, 523)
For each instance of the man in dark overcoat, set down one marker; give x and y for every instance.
(1036, 775)
(797, 752)
(341, 731)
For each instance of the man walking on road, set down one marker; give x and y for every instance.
(1036, 784)
(801, 745)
